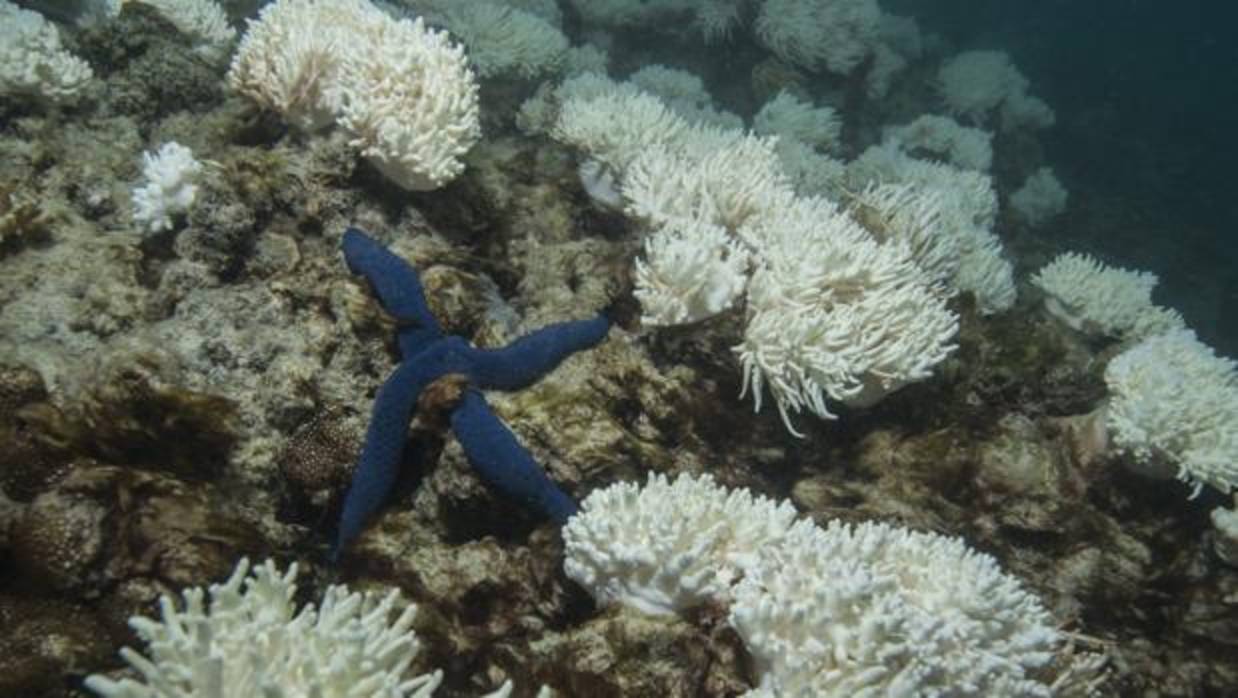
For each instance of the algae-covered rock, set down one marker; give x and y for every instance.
(625, 653)
(47, 646)
(103, 524)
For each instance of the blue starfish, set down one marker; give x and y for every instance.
(426, 355)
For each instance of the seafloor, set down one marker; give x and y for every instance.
(172, 402)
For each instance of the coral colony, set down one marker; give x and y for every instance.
(428, 355)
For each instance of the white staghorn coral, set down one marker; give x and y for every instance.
(33, 63)
(831, 313)
(869, 609)
(1174, 403)
(912, 214)
(249, 639)
(1103, 301)
(722, 179)
(614, 127)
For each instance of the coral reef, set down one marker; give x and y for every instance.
(174, 400)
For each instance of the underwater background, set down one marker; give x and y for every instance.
(617, 348)
(1145, 105)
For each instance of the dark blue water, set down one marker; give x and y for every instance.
(1146, 95)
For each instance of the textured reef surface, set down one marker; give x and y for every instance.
(184, 386)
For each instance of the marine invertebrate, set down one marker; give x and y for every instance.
(1040, 198)
(788, 116)
(428, 355)
(250, 639)
(171, 186)
(869, 609)
(502, 40)
(832, 34)
(963, 146)
(32, 60)
(975, 84)
(1103, 301)
(669, 545)
(834, 314)
(1174, 403)
(404, 91)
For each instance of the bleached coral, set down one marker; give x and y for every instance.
(977, 84)
(291, 53)
(1174, 402)
(912, 215)
(691, 270)
(403, 91)
(961, 146)
(171, 175)
(501, 40)
(33, 62)
(869, 609)
(834, 314)
(831, 312)
(832, 34)
(968, 208)
(1225, 523)
(811, 173)
(203, 21)
(1040, 198)
(410, 102)
(683, 93)
(875, 609)
(249, 639)
(669, 545)
(984, 271)
(614, 127)
(671, 84)
(1103, 301)
(716, 20)
(721, 178)
(788, 117)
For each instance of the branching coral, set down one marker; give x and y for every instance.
(1103, 301)
(1174, 402)
(832, 34)
(250, 639)
(32, 60)
(403, 91)
(870, 609)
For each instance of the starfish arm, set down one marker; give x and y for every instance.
(384, 444)
(502, 463)
(532, 356)
(397, 286)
